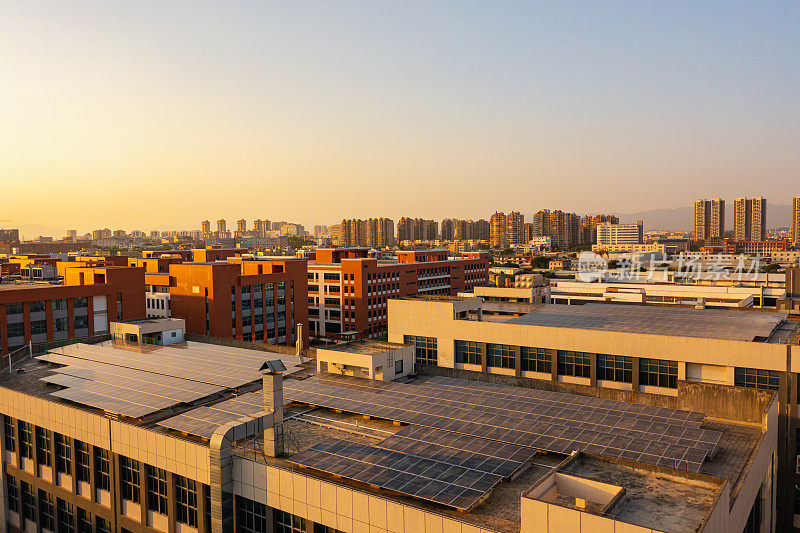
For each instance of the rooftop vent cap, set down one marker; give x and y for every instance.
(272, 367)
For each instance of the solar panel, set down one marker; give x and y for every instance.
(204, 420)
(405, 473)
(552, 426)
(138, 383)
(217, 365)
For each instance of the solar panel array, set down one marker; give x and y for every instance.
(414, 475)
(204, 420)
(539, 419)
(223, 366)
(476, 453)
(139, 383)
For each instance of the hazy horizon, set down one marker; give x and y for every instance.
(154, 115)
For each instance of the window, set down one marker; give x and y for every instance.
(186, 501)
(15, 330)
(60, 324)
(81, 322)
(129, 478)
(615, 368)
(14, 309)
(26, 439)
(398, 366)
(468, 352)
(13, 494)
(425, 349)
(288, 523)
(500, 355)
(84, 521)
(9, 431)
(658, 372)
(80, 302)
(82, 461)
(573, 364)
(47, 512)
(60, 304)
(65, 516)
(103, 525)
(331, 276)
(38, 327)
(102, 477)
(755, 378)
(156, 489)
(43, 442)
(536, 359)
(319, 528)
(252, 516)
(37, 307)
(28, 502)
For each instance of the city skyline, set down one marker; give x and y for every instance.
(479, 105)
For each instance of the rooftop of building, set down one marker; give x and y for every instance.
(366, 347)
(218, 384)
(681, 322)
(651, 499)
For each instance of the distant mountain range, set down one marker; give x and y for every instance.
(682, 218)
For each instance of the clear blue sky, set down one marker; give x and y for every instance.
(153, 114)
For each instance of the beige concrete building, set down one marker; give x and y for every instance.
(636, 353)
(369, 359)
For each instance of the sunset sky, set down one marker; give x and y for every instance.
(145, 115)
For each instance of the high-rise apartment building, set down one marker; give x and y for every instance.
(348, 290)
(478, 230)
(241, 226)
(588, 228)
(222, 228)
(796, 220)
(507, 230)
(564, 229)
(205, 227)
(417, 229)
(373, 232)
(709, 219)
(515, 229)
(750, 219)
(448, 229)
(498, 227)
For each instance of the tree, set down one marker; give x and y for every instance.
(540, 261)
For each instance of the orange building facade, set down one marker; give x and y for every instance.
(348, 290)
(249, 300)
(83, 306)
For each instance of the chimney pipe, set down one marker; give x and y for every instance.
(273, 403)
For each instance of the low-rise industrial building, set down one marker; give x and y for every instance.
(659, 355)
(192, 438)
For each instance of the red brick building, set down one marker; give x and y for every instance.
(84, 305)
(348, 290)
(249, 300)
(729, 246)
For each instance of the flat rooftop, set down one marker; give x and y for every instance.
(701, 323)
(651, 499)
(365, 347)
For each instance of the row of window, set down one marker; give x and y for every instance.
(25, 436)
(39, 306)
(254, 517)
(569, 363)
(50, 513)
